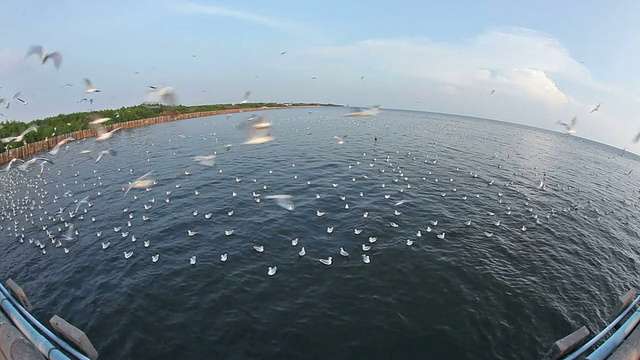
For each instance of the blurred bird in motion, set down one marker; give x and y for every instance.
(166, 94)
(571, 127)
(20, 137)
(44, 56)
(259, 130)
(362, 112)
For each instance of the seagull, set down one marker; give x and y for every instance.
(128, 254)
(246, 97)
(294, 242)
(12, 162)
(329, 229)
(146, 243)
(339, 139)
(44, 56)
(103, 134)
(365, 258)
(441, 236)
(272, 270)
(636, 139)
(155, 257)
(343, 252)
(223, 257)
(366, 247)
(302, 252)
(259, 130)
(492, 92)
(20, 137)
(206, 160)
(192, 260)
(409, 242)
(90, 88)
(165, 94)
(97, 120)
(60, 144)
(283, 201)
(140, 183)
(229, 232)
(192, 233)
(106, 152)
(17, 97)
(258, 248)
(327, 261)
(373, 239)
(105, 245)
(570, 128)
(320, 213)
(283, 52)
(595, 108)
(361, 112)
(357, 231)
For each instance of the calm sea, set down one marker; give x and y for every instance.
(533, 265)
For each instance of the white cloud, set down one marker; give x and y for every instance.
(520, 61)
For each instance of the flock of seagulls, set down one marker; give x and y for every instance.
(28, 199)
(397, 193)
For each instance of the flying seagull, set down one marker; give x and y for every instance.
(361, 112)
(246, 97)
(63, 142)
(17, 97)
(284, 52)
(165, 94)
(140, 183)
(595, 108)
(570, 128)
(90, 88)
(21, 136)
(106, 152)
(44, 56)
(259, 130)
(636, 139)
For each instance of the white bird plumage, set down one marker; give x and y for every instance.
(44, 56)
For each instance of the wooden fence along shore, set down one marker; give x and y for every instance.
(48, 144)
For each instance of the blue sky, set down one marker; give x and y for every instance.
(546, 60)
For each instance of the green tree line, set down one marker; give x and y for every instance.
(67, 123)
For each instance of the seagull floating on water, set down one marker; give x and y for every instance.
(272, 270)
(327, 261)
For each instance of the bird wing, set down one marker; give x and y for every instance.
(29, 129)
(88, 83)
(17, 94)
(43, 160)
(8, 139)
(636, 139)
(169, 98)
(573, 121)
(55, 57)
(35, 49)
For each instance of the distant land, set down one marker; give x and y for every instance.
(67, 123)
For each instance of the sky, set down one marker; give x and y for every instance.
(547, 61)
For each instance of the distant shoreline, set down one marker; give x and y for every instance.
(48, 144)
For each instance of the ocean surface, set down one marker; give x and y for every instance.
(534, 263)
